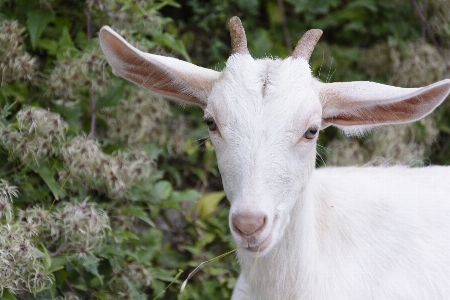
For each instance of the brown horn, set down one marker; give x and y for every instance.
(238, 39)
(306, 44)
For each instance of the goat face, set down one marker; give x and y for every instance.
(264, 118)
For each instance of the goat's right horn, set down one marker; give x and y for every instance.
(238, 38)
(306, 44)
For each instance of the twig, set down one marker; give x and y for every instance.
(287, 36)
(58, 251)
(88, 23)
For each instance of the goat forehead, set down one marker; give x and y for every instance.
(266, 93)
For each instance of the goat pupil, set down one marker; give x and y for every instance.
(211, 125)
(311, 133)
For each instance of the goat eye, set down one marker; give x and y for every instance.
(311, 133)
(212, 126)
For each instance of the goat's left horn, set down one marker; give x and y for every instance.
(306, 44)
(238, 38)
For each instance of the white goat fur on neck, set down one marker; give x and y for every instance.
(331, 233)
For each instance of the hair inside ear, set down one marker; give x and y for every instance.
(359, 106)
(170, 77)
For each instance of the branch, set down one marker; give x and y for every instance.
(60, 248)
(88, 23)
(430, 33)
(423, 25)
(287, 36)
(91, 93)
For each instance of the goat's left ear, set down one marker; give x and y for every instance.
(170, 77)
(365, 104)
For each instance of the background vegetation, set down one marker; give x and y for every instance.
(107, 191)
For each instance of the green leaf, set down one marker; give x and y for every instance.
(114, 252)
(113, 97)
(192, 249)
(129, 5)
(50, 45)
(44, 295)
(162, 190)
(168, 40)
(65, 40)
(102, 296)
(58, 263)
(138, 212)
(19, 90)
(207, 204)
(81, 287)
(90, 264)
(122, 235)
(200, 173)
(367, 4)
(48, 260)
(45, 171)
(158, 6)
(135, 295)
(7, 295)
(162, 274)
(65, 45)
(186, 195)
(148, 245)
(445, 128)
(153, 150)
(37, 20)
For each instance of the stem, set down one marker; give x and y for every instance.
(287, 36)
(69, 285)
(91, 92)
(58, 251)
(93, 114)
(12, 104)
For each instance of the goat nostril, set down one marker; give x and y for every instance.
(247, 225)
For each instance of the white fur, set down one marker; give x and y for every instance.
(332, 233)
(337, 233)
(360, 233)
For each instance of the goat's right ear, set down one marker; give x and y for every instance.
(170, 77)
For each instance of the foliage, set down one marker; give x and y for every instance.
(85, 213)
(105, 194)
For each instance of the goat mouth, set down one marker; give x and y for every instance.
(261, 246)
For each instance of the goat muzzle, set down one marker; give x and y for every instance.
(248, 225)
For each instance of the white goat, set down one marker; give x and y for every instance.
(332, 233)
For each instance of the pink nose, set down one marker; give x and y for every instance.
(248, 225)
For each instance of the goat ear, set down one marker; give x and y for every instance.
(354, 106)
(170, 77)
